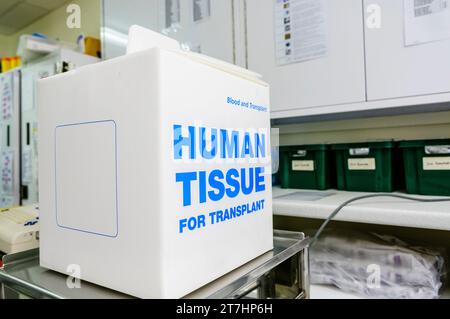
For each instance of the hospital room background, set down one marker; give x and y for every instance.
(359, 106)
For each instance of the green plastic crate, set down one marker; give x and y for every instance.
(427, 167)
(366, 167)
(305, 167)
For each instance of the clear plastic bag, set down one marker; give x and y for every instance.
(376, 266)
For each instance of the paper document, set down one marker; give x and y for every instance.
(426, 21)
(28, 91)
(6, 201)
(7, 163)
(202, 9)
(27, 166)
(300, 30)
(6, 96)
(172, 12)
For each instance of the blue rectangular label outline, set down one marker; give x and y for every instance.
(116, 169)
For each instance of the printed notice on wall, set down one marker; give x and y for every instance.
(28, 91)
(300, 30)
(6, 96)
(6, 201)
(202, 9)
(7, 162)
(426, 21)
(27, 166)
(172, 13)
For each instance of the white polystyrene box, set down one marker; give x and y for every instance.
(139, 155)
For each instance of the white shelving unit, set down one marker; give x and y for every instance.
(331, 292)
(380, 211)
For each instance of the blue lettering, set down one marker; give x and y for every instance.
(179, 141)
(234, 188)
(205, 153)
(227, 142)
(229, 146)
(211, 215)
(192, 223)
(233, 212)
(247, 189)
(259, 180)
(202, 185)
(217, 185)
(186, 179)
(247, 149)
(183, 225)
(260, 145)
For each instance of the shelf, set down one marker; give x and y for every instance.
(380, 211)
(331, 292)
(389, 107)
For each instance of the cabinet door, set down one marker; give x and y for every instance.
(204, 26)
(335, 77)
(398, 67)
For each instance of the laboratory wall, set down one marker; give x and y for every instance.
(207, 27)
(6, 47)
(54, 25)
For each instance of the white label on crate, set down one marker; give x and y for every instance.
(361, 164)
(436, 163)
(303, 166)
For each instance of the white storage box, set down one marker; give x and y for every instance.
(154, 171)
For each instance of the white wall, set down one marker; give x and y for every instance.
(54, 26)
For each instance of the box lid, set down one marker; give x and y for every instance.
(140, 39)
(373, 145)
(315, 147)
(423, 143)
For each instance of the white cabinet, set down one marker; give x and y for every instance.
(336, 78)
(9, 139)
(205, 26)
(118, 16)
(395, 70)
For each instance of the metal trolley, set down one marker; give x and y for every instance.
(282, 273)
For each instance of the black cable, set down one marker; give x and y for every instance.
(340, 207)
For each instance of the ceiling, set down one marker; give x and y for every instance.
(17, 14)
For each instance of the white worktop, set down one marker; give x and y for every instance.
(381, 211)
